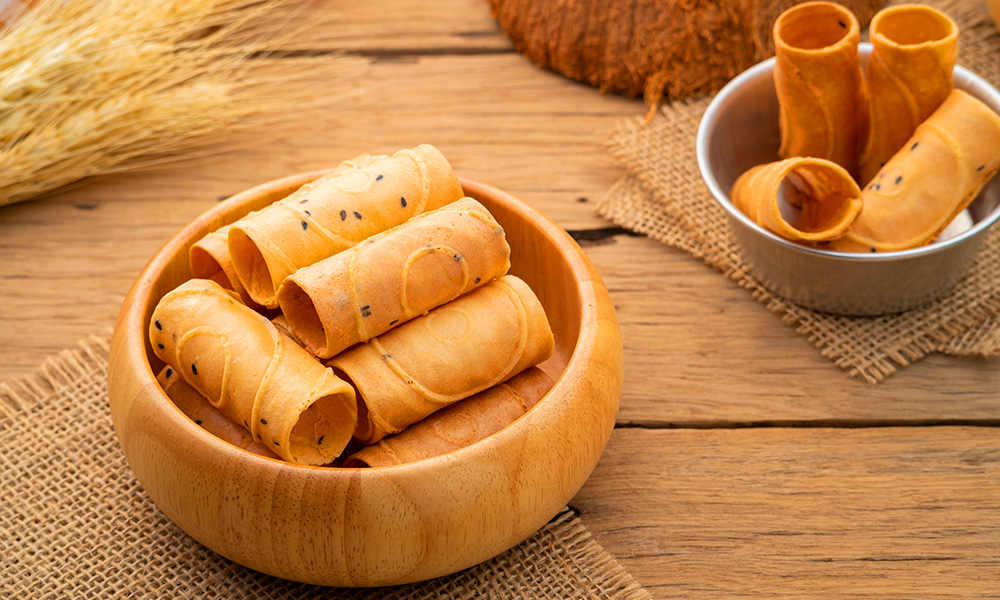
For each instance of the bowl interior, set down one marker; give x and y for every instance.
(535, 257)
(740, 130)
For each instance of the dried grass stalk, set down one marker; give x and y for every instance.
(91, 87)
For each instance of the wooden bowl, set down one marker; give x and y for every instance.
(392, 525)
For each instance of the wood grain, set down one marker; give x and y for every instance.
(802, 513)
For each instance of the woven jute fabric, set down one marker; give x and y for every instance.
(75, 523)
(664, 197)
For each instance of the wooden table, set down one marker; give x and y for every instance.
(744, 464)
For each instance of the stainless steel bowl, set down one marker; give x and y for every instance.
(740, 130)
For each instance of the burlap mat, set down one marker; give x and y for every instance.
(663, 196)
(74, 522)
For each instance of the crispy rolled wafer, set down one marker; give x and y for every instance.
(253, 374)
(458, 425)
(909, 76)
(817, 77)
(402, 273)
(209, 256)
(211, 419)
(828, 199)
(932, 179)
(335, 213)
(451, 353)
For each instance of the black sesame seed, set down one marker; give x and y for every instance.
(160, 346)
(428, 246)
(194, 369)
(168, 373)
(873, 250)
(878, 187)
(394, 321)
(343, 215)
(899, 179)
(320, 440)
(457, 257)
(197, 422)
(303, 201)
(305, 225)
(366, 311)
(914, 146)
(842, 24)
(357, 215)
(158, 326)
(980, 168)
(308, 214)
(379, 178)
(387, 356)
(276, 443)
(402, 201)
(582, 199)
(263, 421)
(478, 279)
(871, 187)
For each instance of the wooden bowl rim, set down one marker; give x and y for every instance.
(584, 276)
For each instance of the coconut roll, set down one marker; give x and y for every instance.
(932, 179)
(458, 425)
(209, 418)
(393, 277)
(817, 77)
(209, 257)
(456, 350)
(823, 193)
(252, 373)
(909, 76)
(335, 213)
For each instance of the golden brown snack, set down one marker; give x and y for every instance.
(934, 177)
(817, 77)
(458, 425)
(827, 198)
(253, 374)
(451, 353)
(211, 419)
(336, 212)
(393, 277)
(209, 256)
(909, 76)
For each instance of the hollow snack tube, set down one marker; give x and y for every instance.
(337, 212)
(252, 373)
(209, 257)
(817, 77)
(393, 277)
(454, 351)
(933, 178)
(459, 425)
(209, 418)
(827, 197)
(909, 76)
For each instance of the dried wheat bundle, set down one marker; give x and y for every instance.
(92, 87)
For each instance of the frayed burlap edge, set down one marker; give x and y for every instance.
(561, 560)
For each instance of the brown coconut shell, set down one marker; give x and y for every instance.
(662, 49)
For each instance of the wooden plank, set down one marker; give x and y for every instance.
(802, 513)
(66, 262)
(699, 351)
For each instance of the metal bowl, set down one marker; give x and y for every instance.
(740, 130)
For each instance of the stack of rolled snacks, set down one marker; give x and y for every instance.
(414, 310)
(928, 149)
(334, 213)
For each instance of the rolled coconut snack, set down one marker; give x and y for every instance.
(209, 257)
(939, 171)
(458, 425)
(253, 374)
(909, 76)
(827, 198)
(454, 351)
(336, 212)
(211, 419)
(821, 96)
(393, 277)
